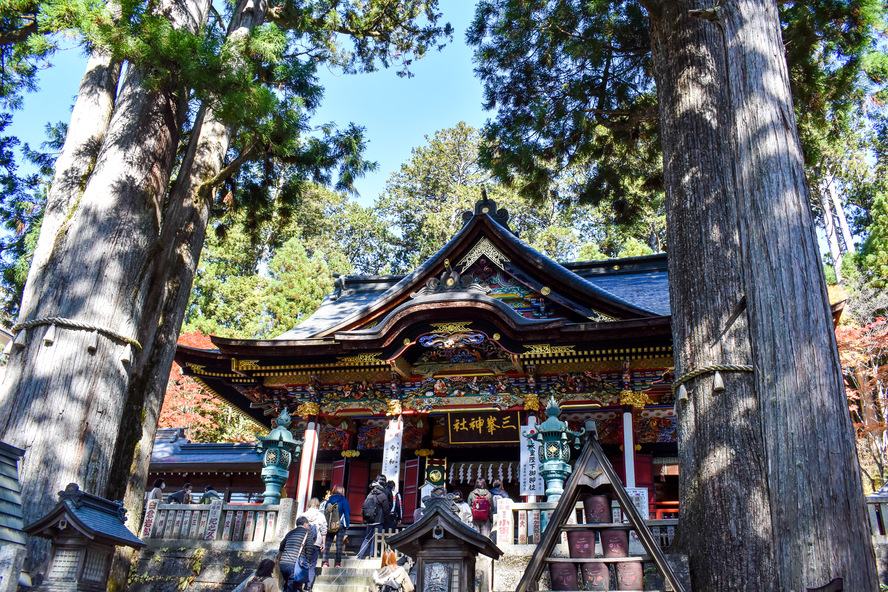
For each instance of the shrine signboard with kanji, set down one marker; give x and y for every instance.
(483, 427)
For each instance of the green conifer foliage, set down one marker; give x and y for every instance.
(874, 252)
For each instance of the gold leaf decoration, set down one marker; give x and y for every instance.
(308, 409)
(531, 402)
(393, 408)
(451, 328)
(483, 248)
(545, 348)
(637, 399)
(361, 359)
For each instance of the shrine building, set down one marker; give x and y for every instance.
(437, 374)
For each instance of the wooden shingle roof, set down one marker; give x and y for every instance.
(11, 525)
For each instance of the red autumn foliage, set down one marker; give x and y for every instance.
(864, 355)
(187, 404)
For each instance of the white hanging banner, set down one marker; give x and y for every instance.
(391, 452)
(531, 481)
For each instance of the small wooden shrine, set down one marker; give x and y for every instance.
(84, 530)
(443, 547)
(444, 368)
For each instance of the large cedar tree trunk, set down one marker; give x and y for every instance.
(771, 492)
(64, 402)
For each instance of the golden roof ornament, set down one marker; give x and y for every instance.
(636, 399)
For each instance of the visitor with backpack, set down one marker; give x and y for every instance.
(464, 511)
(337, 512)
(375, 507)
(263, 580)
(318, 523)
(481, 502)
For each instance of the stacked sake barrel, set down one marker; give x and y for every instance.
(594, 573)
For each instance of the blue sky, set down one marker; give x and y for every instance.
(396, 112)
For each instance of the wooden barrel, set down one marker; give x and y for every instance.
(596, 576)
(596, 509)
(581, 543)
(630, 575)
(615, 542)
(563, 575)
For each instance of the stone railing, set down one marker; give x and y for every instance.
(217, 521)
(524, 523)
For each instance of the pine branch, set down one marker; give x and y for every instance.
(18, 35)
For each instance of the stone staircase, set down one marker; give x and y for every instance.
(355, 575)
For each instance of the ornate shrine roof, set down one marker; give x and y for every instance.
(472, 323)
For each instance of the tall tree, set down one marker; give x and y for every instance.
(121, 253)
(425, 198)
(746, 284)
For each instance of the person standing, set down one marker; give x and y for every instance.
(183, 496)
(157, 491)
(481, 502)
(337, 512)
(375, 508)
(318, 523)
(498, 493)
(209, 495)
(296, 544)
(463, 510)
(395, 515)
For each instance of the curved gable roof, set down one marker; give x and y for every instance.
(523, 262)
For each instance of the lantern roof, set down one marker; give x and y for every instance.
(95, 518)
(440, 520)
(10, 496)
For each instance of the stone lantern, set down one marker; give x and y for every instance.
(84, 529)
(555, 439)
(443, 547)
(279, 447)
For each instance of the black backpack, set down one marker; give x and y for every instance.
(370, 508)
(255, 585)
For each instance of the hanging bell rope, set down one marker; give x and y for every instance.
(678, 385)
(70, 324)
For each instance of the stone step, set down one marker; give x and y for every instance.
(322, 587)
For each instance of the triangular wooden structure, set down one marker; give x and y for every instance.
(592, 471)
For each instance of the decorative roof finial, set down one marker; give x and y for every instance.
(487, 206)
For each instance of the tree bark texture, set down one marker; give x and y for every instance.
(182, 238)
(770, 485)
(724, 490)
(819, 514)
(64, 402)
(86, 132)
